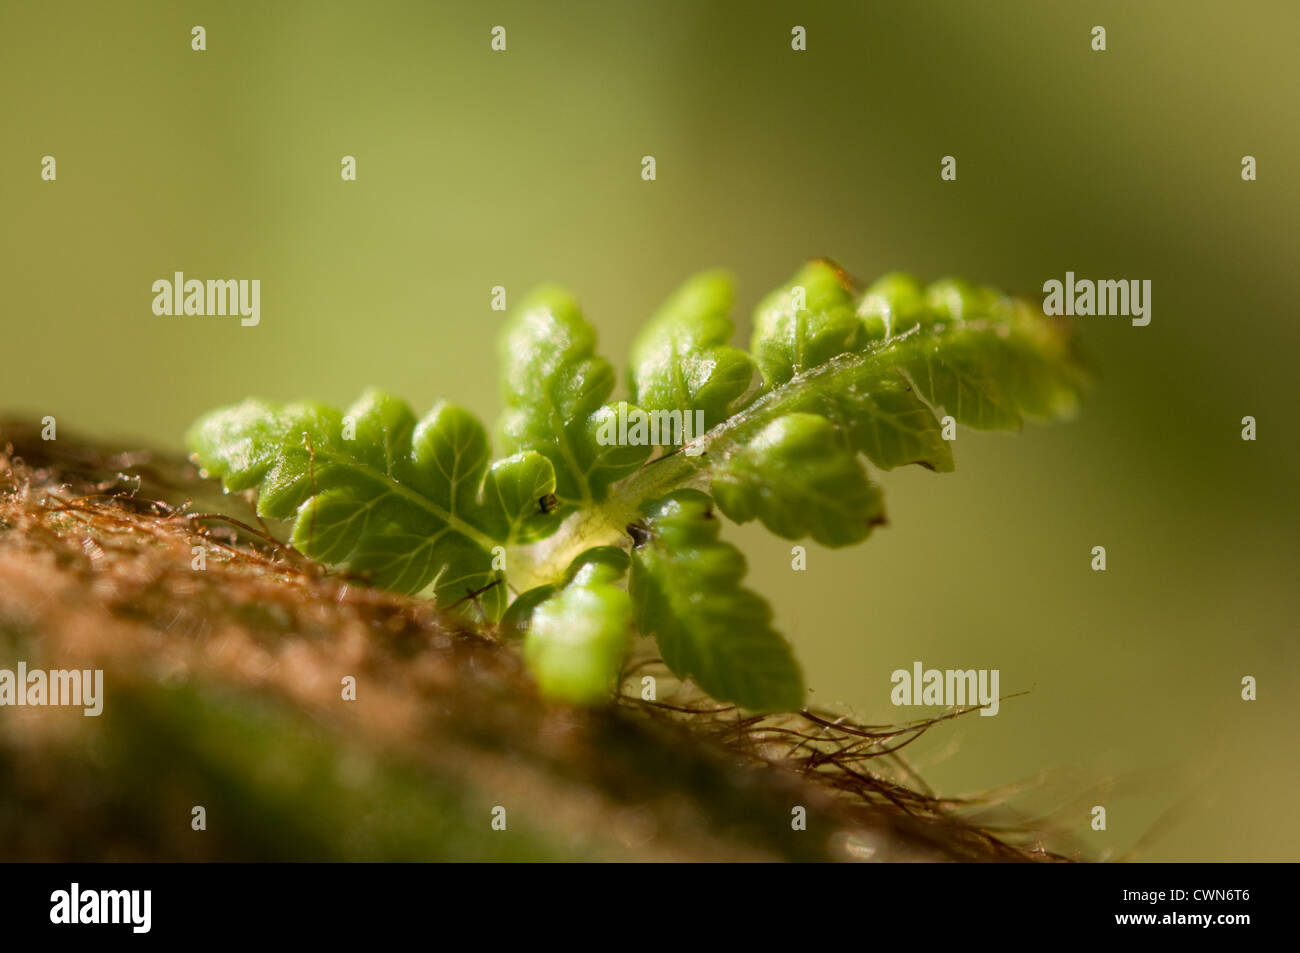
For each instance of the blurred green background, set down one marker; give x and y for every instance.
(478, 168)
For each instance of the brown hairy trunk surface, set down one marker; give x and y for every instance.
(223, 690)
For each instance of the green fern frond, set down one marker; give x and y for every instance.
(833, 376)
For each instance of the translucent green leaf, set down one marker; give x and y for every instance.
(893, 303)
(552, 383)
(517, 619)
(682, 359)
(800, 479)
(686, 593)
(984, 357)
(575, 635)
(805, 323)
(609, 461)
(599, 564)
(981, 356)
(885, 420)
(609, 562)
(408, 503)
(518, 498)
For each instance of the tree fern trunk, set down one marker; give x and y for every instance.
(224, 690)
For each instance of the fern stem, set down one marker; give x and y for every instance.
(606, 524)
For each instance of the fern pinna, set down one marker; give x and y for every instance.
(599, 533)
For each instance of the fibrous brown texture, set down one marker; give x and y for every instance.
(223, 690)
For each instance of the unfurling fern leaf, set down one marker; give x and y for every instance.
(833, 376)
